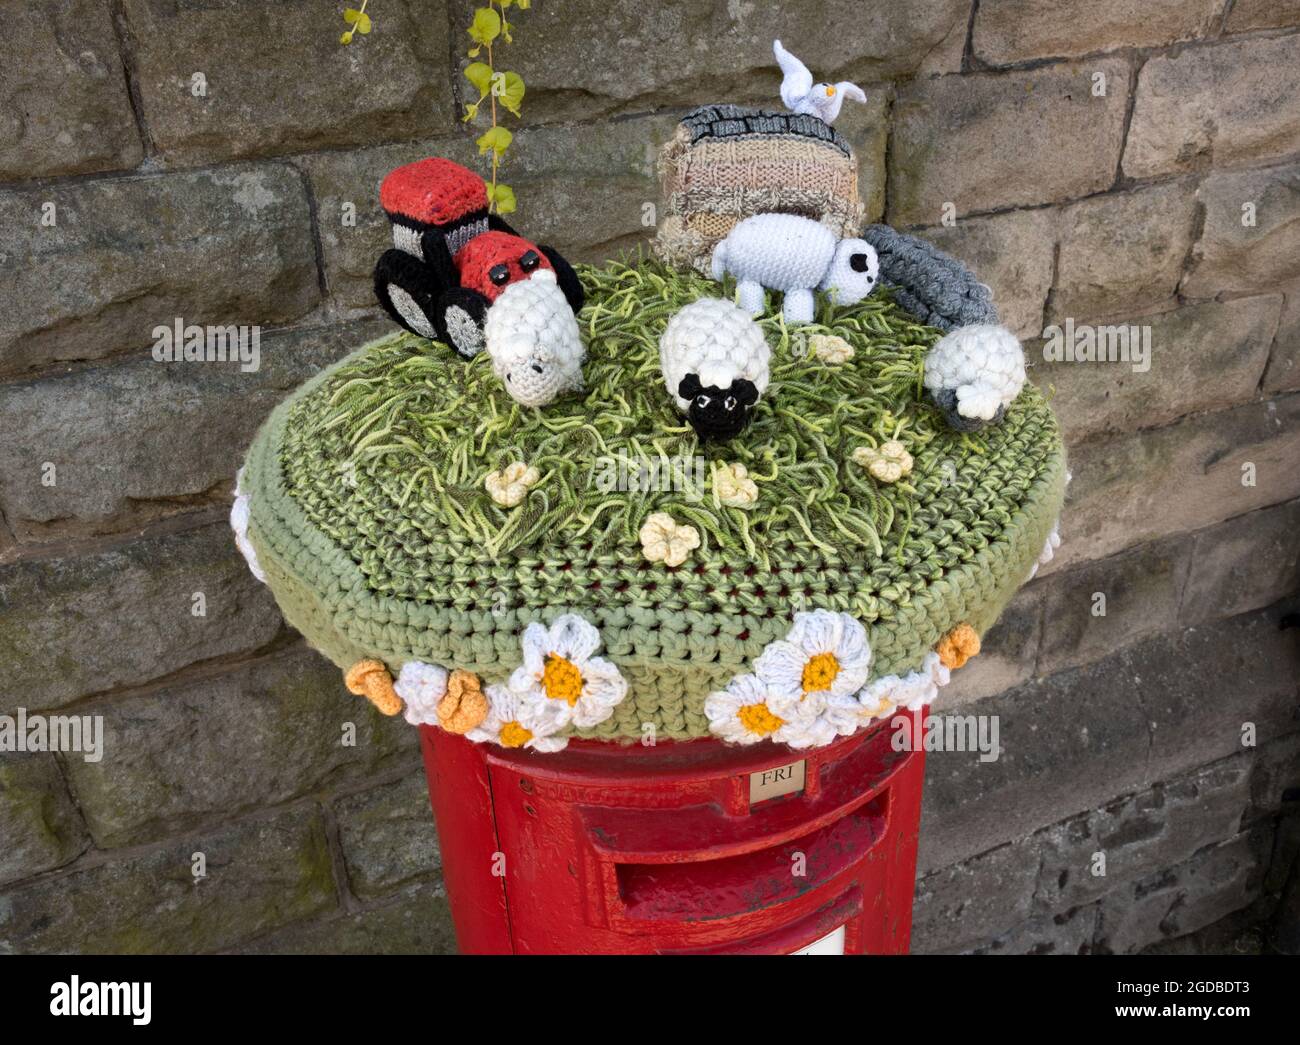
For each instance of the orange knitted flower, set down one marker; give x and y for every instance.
(464, 707)
(958, 646)
(370, 679)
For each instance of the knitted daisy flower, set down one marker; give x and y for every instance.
(512, 722)
(509, 485)
(663, 540)
(740, 714)
(912, 691)
(1049, 546)
(562, 679)
(239, 523)
(734, 487)
(825, 654)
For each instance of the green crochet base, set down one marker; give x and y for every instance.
(378, 539)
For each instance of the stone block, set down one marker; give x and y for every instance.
(138, 441)
(1230, 103)
(1251, 237)
(1243, 564)
(1122, 252)
(268, 732)
(40, 826)
(1185, 476)
(77, 625)
(261, 873)
(64, 106)
(965, 140)
(1182, 899)
(387, 835)
(1010, 31)
(585, 60)
(275, 78)
(1151, 370)
(124, 255)
(417, 921)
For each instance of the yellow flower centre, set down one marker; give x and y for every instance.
(561, 679)
(759, 720)
(515, 735)
(820, 672)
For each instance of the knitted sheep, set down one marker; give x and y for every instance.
(974, 373)
(532, 338)
(794, 254)
(715, 363)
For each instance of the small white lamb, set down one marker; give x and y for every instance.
(531, 335)
(716, 365)
(974, 373)
(796, 255)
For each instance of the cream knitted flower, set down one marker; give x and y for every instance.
(509, 486)
(561, 679)
(513, 722)
(888, 464)
(830, 348)
(663, 540)
(734, 487)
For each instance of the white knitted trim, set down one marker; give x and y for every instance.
(239, 523)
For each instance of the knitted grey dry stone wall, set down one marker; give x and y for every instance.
(935, 287)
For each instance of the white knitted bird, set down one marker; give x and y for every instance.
(532, 338)
(715, 362)
(974, 373)
(801, 95)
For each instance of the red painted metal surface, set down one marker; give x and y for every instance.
(605, 849)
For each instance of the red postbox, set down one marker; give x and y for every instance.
(689, 847)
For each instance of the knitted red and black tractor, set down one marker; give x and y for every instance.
(450, 258)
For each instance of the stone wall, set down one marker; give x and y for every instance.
(1093, 161)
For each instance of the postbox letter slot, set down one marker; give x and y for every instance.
(751, 881)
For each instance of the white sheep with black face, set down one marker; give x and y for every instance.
(532, 338)
(795, 255)
(716, 362)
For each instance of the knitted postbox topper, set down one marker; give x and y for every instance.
(450, 256)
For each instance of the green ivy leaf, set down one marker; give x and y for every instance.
(346, 38)
(363, 24)
(509, 88)
(480, 75)
(503, 197)
(486, 27)
(471, 111)
(524, 5)
(351, 15)
(497, 139)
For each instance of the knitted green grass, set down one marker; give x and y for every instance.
(404, 413)
(371, 519)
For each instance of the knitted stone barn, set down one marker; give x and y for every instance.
(727, 162)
